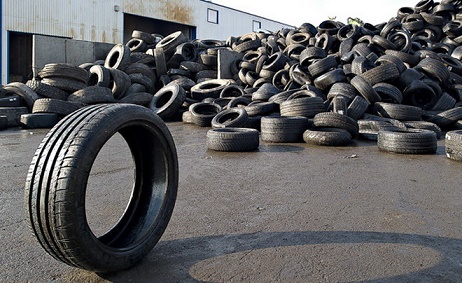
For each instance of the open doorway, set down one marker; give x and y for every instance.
(149, 25)
(20, 57)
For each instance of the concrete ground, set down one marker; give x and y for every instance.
(284, 213)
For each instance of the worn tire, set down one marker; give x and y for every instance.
(303, 106)
(92, 95)
(50, 105)
(327, 137)
(453, 145)
(234, 117)
(410, 141)
(336, 120)
(202, 113)
(138, 98)
(45, 90)
(233, 139)
(118, 57)
(64, 70)
(55, 187)
(167, 101)
(27, 94)
(283, 129)
(398, 111)
(11, 115)
(39, 120)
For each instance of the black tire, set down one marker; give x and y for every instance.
(233, 139)
(357, 107)
(339, 105)
(141, 68)
(11, 100)
(365, 89)
(161, 62)
(12, 115)
(99, 76)
(388, 93)
(39, 120)
(149, 38)
(209, 88)
(137, 45)
(119, 83)
(453, 145)
(447, 118)
(92, 95)
(410, 141)
(335, 120)
(424, 125)
(167, 101)
(45, 90)
(186, 117)
(202, 113)
(27, 94)
(50, 105)
(434, 68)
(3, 122)
(139, 78)
(171, 41)
(230, 118)
(398, 111)
(66, 84)
(118, 57)
(383, 73)
(258, 108)
(55, 187)
(303, 106)
(327, 137)
(445, 102)
(283, 129)
(321, 66)
(64, 70)
(138, 98)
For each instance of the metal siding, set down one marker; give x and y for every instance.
(84, 20)
(178, 11)
(96, 20)
(231, 22)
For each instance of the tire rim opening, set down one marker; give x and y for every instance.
(112, 168)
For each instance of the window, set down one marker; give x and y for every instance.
(212, 16)
(256, 25)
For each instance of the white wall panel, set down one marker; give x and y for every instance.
(90, 20)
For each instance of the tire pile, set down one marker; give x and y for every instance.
(399, 83)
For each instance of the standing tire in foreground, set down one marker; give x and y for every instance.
(410, 141)
(57, 179)
(453, 144)
(233, 139)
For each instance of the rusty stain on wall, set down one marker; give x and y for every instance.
(174, 11)
(177, 12)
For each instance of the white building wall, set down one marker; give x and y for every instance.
(102, 20)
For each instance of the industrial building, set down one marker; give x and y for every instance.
(36, 32)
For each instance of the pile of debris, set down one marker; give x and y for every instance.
(405, 73)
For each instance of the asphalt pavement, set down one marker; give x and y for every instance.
(284, 213)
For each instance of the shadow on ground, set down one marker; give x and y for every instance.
(172, 261)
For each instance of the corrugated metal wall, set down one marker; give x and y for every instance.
(97, 20)
(92, 20)
(101, 21)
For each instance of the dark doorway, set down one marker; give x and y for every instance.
(20, 57)
(149, 25)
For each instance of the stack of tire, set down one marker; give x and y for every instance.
(325, 85)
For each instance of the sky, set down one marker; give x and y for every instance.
(297, 12)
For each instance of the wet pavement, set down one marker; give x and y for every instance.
(285, 213)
